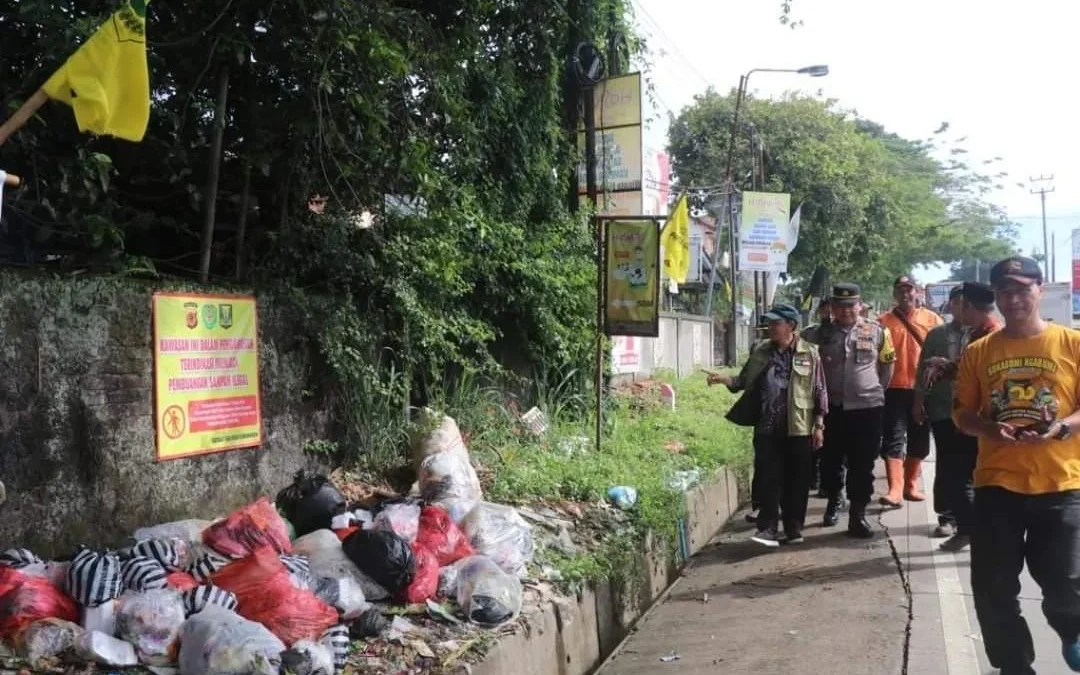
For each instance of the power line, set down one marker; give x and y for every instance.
(675, 47)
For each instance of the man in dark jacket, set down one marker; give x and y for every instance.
(785, 400)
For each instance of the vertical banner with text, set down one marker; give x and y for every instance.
(632, 261)
(1076, 273)
(764, 237)
(206, 374)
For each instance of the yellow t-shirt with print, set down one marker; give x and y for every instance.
(1023, 381)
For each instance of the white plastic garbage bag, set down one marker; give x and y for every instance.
(327, 559)
(151, 622)
(402, 519)
(105, 649)
(444, 436)
(486, 594)
(217, 641)
(47, 637)
(500, 533)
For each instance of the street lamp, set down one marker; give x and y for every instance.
(812, 71)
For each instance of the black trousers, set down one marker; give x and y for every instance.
(784, 465)
(854, 437)
(954, 494)
(899, 429)
(1011, 529)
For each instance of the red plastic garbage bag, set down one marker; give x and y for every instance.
(344, 532)
(425, 583)
(255, 525)
(27, 599)
(440, 535)
(181, 581)
(265, 594)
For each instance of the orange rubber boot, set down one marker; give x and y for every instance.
(912, 473)
(894, 469)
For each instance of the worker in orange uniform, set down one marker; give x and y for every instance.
(905, 443)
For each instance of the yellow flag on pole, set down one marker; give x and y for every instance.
(106, 82)
(675, 238)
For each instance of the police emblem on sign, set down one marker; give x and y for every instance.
(225, 316)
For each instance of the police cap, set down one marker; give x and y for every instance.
(845, 294)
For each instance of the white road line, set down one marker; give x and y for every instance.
(961, 650)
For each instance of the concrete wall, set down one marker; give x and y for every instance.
(575, 636)
(76, 418)
(685, 344)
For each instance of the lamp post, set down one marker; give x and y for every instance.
(729, 189)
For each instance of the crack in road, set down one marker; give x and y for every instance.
(905, 582)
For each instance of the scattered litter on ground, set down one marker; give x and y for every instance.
(335, 576)
(622, 496)
(671, 657)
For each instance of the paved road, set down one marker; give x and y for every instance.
(833, 605)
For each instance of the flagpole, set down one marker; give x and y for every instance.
(22, 115)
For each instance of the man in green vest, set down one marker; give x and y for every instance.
(785, 400)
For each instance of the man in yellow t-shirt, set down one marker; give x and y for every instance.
(1018, 392)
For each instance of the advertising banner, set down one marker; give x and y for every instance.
(632, 261)
(619, 160)
(1076, 273)
(764, 234)
(206, 374)
(614, 203)
(627, 354)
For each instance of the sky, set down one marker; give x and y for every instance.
(1002, 74)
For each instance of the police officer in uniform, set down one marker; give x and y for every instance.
(858, 359)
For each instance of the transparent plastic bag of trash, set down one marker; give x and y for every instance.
(500, 533)
(486, 594)
(327, 559)
(150, 621)
(46, 638)
(185, 530)
(403, 519)
(220, 642)
(449, 480)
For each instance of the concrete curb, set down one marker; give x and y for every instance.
(575, 637)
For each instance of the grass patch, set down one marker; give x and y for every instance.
(644, 446)
(641, 450)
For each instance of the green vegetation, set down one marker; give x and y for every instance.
(644, 446)
(874, 204)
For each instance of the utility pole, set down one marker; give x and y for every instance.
(1053, 254)
(1042, 192)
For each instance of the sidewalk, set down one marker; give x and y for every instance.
(892, 605)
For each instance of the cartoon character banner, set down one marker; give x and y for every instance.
(765, 233)
(632, 305)
(206, 374)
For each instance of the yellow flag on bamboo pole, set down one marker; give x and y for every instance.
(106, 82)
(675, 238)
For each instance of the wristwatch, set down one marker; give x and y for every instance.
(1064, 432)
(819, 426)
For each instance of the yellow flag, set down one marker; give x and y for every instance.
(106, 81)
(675, 238)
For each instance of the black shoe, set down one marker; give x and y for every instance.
(751, 517)
(832, 513)
(793, 539)
(766, 538)
(858, 527)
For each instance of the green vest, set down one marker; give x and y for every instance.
(800, 413)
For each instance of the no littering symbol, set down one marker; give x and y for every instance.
(174, 421)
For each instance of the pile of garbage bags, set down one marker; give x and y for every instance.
(275, 584)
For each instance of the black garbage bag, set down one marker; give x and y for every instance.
(310, 503)
(383, 556)
(369, 624)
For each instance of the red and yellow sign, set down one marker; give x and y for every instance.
(206, 374)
